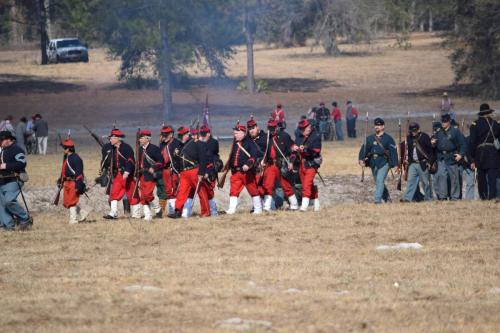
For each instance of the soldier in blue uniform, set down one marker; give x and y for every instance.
(450, 147)
(420, 158)
(380, 154)
(12, 164)
(486, 157)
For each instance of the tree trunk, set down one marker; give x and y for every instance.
(49, 23)
(431, 21)
(14, 28)
(422, 26)
(412, 16)
(249, 32)
(165, 74)
(44, 40)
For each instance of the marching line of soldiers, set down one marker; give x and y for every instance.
(156, 180)
(440, 162)
(153, 181)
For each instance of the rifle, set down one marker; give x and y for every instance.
(261, 179)
(400, 155)
(137, 173)
(364, 150)
(96, 138)
(225, 170)
(60, 181)
(405, 163)
(462, 125)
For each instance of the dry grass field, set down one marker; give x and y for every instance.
(279, 272)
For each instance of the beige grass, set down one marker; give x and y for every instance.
(61, 278)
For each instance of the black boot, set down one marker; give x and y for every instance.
(158, 215)
(126, 206)
(175, 215)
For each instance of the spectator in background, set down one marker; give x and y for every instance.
(41, 129)
(6, 125)
(21, 133)
(30, 141)
(337, 119)
(447, 106)
(278, 115)
(351, 115)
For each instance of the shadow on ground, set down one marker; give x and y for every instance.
(353, 54)
(12, 84)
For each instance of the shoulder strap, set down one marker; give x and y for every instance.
(243, 149)
(419, 148)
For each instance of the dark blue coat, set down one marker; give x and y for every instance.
(15, 160)
(379, 154)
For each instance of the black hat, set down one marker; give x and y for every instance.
(334, 103)
(485, 109)
(379, 122)
(445, 118)
(414, 127)
(6, 135)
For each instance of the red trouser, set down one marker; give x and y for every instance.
(258, 181)
(287, 187)
(121, 187)
(206, 193)
(170, 181)
(71, 198)
(147, 188)
(187, 186)
(243, 179)
(309, 190)
(272, 174)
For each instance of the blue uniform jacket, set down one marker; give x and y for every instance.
(379, 154)
(449, 142)
(15, 160)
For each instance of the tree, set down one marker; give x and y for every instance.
(476, 45)
(163, 37)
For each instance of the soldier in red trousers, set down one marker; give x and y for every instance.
(171, 168)
(206, 194)
(123, 166)
(277, 157)
(308, 146)
(193, 169)
(150, 163)
(242, 164)
(72, 180)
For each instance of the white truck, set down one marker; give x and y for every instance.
(67, 49)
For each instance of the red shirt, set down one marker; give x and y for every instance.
(336, 114)
(278, 115)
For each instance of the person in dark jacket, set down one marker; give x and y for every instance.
(242, 161)
(450, 147)
(122, 162)
(308, 148)
(208, 206)
(41, 129)
(380, 154)
(193, 169)
(171, 169)
(486, 157)
(150, 167)
(12, 163)
(72, 180)
(277, 155)
(419, 159)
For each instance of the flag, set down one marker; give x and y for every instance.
(206, 116)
